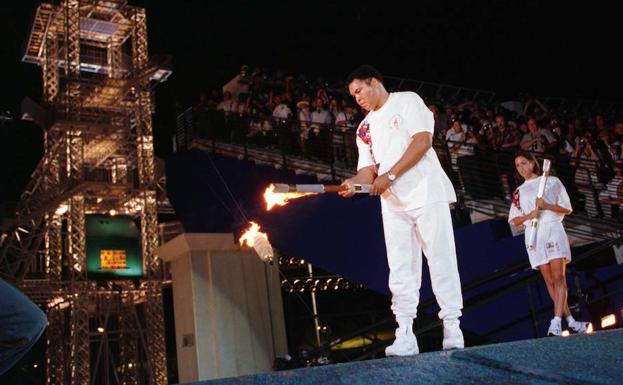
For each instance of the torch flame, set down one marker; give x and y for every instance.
(281, 199)
(249, 235)
(254, 238)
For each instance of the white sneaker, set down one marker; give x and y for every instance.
(405, 344)
(579, 327)
(554, 329)
(452, 335)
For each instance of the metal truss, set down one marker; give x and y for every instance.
(99, 159)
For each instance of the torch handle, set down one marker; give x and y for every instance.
(282, 188)
(357, 188)
(331, 188)
(534, 224)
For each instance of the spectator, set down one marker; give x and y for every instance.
(505, 140)
(319, 134)
(587, 161)
(505, 137)
(345, 128)
(566, 146)
(228, 105)
(304, 118)
(282, 114)
(611, 198)
(600, 123)
(537, 140)
(455, 138)
(281, 110)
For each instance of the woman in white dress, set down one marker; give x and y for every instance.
(552, 251)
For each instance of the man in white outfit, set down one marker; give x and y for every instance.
(396, 156)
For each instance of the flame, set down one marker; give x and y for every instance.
(249, 235)
(259, 241)
(281, 199)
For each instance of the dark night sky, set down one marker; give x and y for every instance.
(500, 45)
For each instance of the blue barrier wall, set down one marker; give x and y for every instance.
(345, 236)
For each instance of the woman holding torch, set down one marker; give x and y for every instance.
(550, 252)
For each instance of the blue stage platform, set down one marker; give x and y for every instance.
(579, 359)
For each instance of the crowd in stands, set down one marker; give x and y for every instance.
(318, 120)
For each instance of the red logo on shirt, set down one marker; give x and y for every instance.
(515, 200)
(364, 133)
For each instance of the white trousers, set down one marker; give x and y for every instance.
(407, 234)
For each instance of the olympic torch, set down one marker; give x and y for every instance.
(539, 194)
(280, 194)
(319, 188)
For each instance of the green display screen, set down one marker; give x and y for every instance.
(113, 247)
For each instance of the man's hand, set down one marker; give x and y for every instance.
(349, 192)
(381, 183)
(364, 176)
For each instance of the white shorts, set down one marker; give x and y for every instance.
(551, 243)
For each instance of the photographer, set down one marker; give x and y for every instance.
(611, 198)
(505, 141)
(455, 137)
(587, 161)
(565, 145)
(537, 139)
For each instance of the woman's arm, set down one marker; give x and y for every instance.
(518, 221)
(541, 204)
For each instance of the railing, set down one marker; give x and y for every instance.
(479, 174)
(581, 107)
(438, 91)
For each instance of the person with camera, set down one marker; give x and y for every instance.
(537, 139)
(586, 161)
(505, 140)
(455, 137)
(611, 198)
(396, 156)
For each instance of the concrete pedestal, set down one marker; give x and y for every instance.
(228, 310)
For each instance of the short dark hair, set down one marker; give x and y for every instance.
(364, 72)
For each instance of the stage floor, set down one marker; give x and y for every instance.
(579, 359)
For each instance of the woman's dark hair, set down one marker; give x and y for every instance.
(364, 72)
(529, 156)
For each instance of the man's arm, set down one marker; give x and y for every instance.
(420, 143)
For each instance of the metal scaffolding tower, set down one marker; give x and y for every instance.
(97, 94)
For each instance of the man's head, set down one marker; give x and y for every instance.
(500, 121)
(365, 84)
(456, 125)
(533, 126)
(318, 103)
